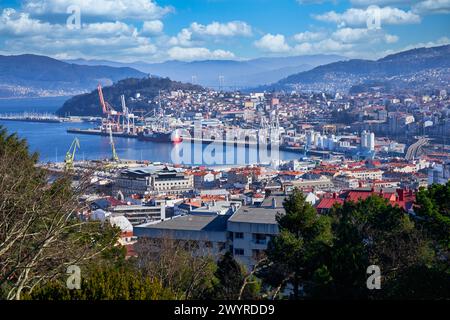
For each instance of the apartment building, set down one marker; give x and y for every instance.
(245, 230)
(152, 179)
(251, 228)
(139, 214)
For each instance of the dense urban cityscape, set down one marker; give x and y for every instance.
(222, 167)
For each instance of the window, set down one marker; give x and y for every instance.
(239, 235)
(259, 238)
(238, 252)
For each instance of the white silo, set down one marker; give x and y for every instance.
(371, 141)
(364, 140)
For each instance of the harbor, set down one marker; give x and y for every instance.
(45, 118)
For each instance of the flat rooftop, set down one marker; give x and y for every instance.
(210, 223)
(265, 213)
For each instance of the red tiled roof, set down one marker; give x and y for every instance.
(327, 203)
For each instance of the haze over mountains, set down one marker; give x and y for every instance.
(248, 73)
(30, 75)
(420, 68)
(39, 76)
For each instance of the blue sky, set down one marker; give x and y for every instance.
(158, 30)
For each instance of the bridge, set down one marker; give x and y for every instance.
(415, 149)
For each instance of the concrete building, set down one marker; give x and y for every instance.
(152, 179)
(323, 183)
(139, 214)
(245, 231)
(251, 229)
(208, 231)
(439, 173)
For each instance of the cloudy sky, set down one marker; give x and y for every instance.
(159, 30)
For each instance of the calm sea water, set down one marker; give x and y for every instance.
(52, 141)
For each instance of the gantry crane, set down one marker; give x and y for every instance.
(70, 155)
(128, 118)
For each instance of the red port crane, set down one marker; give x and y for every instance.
(113, 117)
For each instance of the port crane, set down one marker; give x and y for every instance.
(113, 117)
(128, 118)
(70, 155)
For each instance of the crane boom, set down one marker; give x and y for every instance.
(102, 100)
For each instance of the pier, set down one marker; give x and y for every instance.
(45, 117)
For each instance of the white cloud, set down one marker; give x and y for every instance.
(196, 32)
(272, 43)
(198, 53)
(108, 29)
(359, 17)
(358, 35)
(439, 42)
(309, 36)
(324, 46)
(229, 29)
(20, 24)
(389, 38)
(116, 9)
(183, 38)
(432, 6)
(366, 3)
(104, 40)
(152, 27)
(349, 35)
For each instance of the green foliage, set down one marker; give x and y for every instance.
(106, 283)
(434, 211)
(40, 232)
(331, 262)
(419, 282)
(294, 254)
(231, 279)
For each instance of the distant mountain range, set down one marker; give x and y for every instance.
(37, 76)
(420, 68)
(148, 88)
(248, 73)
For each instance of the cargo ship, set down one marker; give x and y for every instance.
(158, 136)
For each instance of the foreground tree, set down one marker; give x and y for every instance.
(106, 283)
(298, 250)
(433, 210)
(331, 262)
(371, 232)
(181, 266)
(232, 282)
(40, 232)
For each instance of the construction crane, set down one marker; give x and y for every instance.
(115, 157)
(70, 155)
